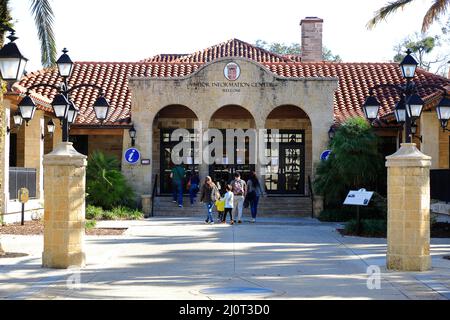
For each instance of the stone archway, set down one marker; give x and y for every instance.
(168, 119)
(293, 161)
(233, 117)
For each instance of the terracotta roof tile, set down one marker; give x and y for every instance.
(355, 79)
(230, 48)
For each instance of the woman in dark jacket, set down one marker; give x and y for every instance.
(209, 195)
(254, 193)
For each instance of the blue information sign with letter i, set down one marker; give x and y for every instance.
(132, 156)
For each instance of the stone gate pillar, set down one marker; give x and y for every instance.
(408, 210)
(64, 219)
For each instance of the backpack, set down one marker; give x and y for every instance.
(238, 187)
(215, 195)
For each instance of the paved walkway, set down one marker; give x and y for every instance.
(176, 258)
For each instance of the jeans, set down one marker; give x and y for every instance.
(177, 192)
(254, 207)
(238, 207)
(193, 192)
(209, 207)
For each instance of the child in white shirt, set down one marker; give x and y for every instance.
(229, 204)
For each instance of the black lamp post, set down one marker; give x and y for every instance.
(443, 112)
(12, 62)
(410, 106)
(133, 134)
(64, 109)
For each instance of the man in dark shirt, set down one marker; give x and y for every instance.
(178, 174)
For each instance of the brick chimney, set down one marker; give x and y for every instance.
(312, 29)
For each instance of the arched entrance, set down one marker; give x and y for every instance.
(232, 117)
(292, 158)
(167, 120)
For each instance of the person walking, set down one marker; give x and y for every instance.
(229, 204)
(254, 194)
(178, 174)
(239, 189)
(193, 186)
(209, 195)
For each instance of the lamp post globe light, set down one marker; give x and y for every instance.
(12, 62)
(409, 109)
(443, 112)
(63, 108)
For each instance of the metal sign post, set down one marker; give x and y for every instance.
(24, 197)
(359, 199)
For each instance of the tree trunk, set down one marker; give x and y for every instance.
(2, 253)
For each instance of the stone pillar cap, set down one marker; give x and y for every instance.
(408, 156)
(65, 154)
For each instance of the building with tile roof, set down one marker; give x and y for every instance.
(229, 85)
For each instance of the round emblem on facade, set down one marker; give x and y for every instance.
(232, 71)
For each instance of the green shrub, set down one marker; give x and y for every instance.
(106, 186)
(369, 228)
(90, 224)
(354, 163)
(108, 215)
(124, 213)
(94, 213)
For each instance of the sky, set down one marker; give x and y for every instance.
(117, 30)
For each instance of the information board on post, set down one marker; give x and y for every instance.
(359, 198)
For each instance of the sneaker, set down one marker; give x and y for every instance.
(180, 206)
(232, 222)
(207, 221)
(253, 220)
(239, 222)
(174, 202)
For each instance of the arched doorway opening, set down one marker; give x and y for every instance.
(291, 163)
(169, 119)
(233, 117)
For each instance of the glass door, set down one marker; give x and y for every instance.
(286, 173)
(167, 147)
(292, 169)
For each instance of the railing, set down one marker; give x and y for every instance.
(22, 178)
(440, 185)
(311, 195)
(154, 194)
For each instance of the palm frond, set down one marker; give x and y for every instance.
(387, 10)
(438, 8)
(5, 19)
(44, 17)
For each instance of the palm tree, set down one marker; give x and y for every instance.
(437, 9)
(42, 13)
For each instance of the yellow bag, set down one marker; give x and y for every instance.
(220, 205)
